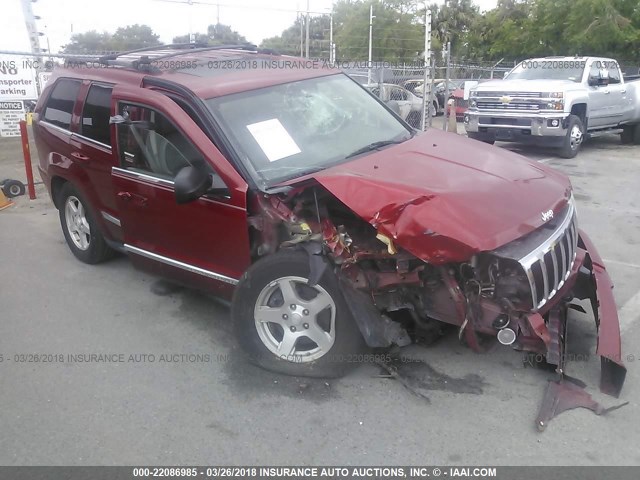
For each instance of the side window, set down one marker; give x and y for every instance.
(594, 71)
(614, 75)
(152, 144)
(60, 104)
(397, 94)
(95, 114)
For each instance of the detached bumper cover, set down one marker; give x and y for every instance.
(604, 308)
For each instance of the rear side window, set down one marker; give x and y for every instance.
(96, 113)
(60, 104)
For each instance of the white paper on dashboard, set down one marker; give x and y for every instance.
(274, 140)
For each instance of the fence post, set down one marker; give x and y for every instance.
(27, 159)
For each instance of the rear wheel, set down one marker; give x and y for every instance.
(79, 227)
(574, 138)
(288, 326)
(630, 134)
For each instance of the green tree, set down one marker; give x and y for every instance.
(398, 32)
(132, 37)
(288, 42)
(217, 34)
(88, 42)
(124, 38)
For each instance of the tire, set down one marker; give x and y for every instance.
(631, 134)
(298, 341)
(83, 235)
(626, 137)
(413, 119)
(481, 137)
(13, 188)
(574, 138)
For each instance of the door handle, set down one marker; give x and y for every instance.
(623, 91)
(80, 156)
(607, 92)
(126, 196)
(139, 200)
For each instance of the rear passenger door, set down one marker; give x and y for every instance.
(203, 243)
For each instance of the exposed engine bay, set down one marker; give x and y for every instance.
(518, 294)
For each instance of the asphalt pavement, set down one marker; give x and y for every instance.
(172, 388)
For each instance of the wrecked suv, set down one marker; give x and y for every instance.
(331, 223)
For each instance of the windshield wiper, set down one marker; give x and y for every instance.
(377, 145)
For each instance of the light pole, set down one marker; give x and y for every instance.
(371, 17)
(426, 89)
(307, 33)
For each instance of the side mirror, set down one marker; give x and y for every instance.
(191, 183)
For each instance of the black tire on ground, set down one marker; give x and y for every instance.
(626, 137)
(97, 250)
(261, 284)
(413, 119)
(574, 138)
(482, 137)
(13, 188)
(631, 134)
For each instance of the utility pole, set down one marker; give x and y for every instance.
(30, 22)
(446, 87)
(426, 89)
(371, 17)
(332, 57)
(301, 36)
(307, 34)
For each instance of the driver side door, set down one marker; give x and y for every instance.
(203, 243)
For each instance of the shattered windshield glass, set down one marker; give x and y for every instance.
(289, 130)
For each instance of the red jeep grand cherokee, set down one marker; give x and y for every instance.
(331, 223)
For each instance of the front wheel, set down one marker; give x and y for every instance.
(288, 326)
(79, 227)
(574, 138)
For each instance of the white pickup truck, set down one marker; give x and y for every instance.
(557, 102)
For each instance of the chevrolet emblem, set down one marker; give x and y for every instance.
(505, 99)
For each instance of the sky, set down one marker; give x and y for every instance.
(255, 19)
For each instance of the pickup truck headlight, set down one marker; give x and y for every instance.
(473, 93)
(556, 94)
(472, 103)
(557, 105)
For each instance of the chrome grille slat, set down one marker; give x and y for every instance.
(556, 277)
(546, 257)
(563, 255)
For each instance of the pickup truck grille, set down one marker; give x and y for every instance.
(512, 94)
(508, 106)
(547, 257)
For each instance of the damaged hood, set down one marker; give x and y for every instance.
(444, 197)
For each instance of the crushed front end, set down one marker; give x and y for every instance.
(518, 294)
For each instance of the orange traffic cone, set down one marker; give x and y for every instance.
(4, 201)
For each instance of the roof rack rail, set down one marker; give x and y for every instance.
(113, 56)
(145, 62)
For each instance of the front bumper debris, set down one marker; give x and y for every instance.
(565, 393)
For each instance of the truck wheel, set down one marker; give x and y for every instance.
(79, 227)
(290, 327)
(13, 188)
(481, 137)
(574, 137)
(631, 134)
